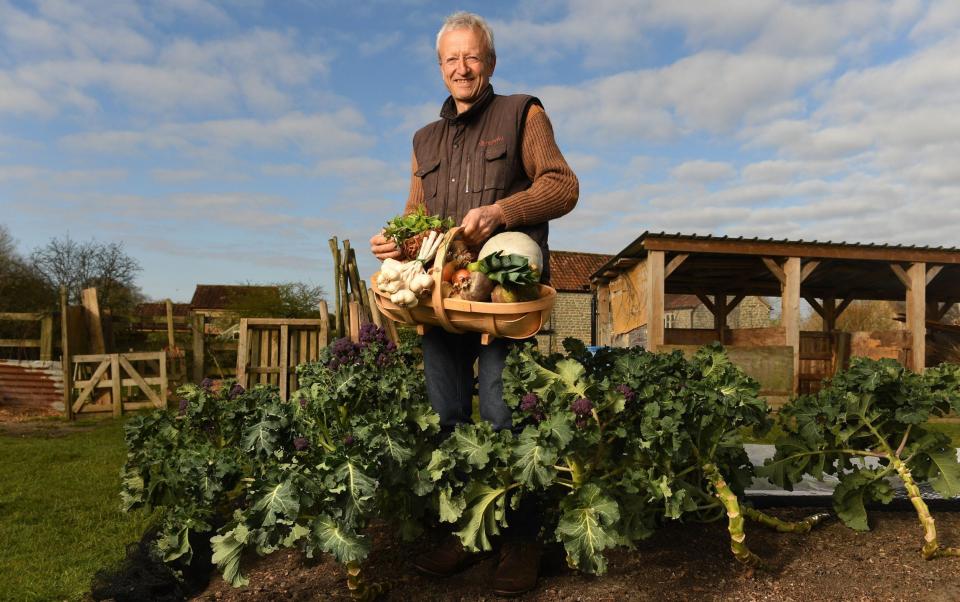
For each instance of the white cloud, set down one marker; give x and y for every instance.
(703, 171)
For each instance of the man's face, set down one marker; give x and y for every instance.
(465, 66)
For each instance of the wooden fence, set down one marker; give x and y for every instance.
(119, 382)
(270, 349)
(44, 344)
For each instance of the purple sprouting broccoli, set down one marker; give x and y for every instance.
(581, 422)
(628, 394)
(344, 353)
(348, 440)
(207, 384)
(371, 334)
(529, 402)
(300, 443)
(582, 407)
(236, 391)
(183, 406)
(382, 360)
(303, 402)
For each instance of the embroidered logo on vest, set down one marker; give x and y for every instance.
(491, 142)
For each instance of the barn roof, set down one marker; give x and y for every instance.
(737, 266)
(570, 270)
(224, 296)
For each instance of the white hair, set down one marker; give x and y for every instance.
(465, 20)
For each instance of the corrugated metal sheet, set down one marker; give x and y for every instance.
(31, 384)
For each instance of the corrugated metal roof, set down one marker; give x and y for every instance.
(570, 270)
(30, 384)
(637, 248)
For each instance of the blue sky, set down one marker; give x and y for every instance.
(225, 142)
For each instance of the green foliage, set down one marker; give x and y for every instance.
(402, 227)
(279, 300)
(613, 443)
(260, 474)
(878, 409)
(509, 270)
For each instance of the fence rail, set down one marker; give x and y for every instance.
(44, 343)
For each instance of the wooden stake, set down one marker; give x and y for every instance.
(92, 314)
(66, 361)
(335, 251)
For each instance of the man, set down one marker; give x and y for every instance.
(491, 163)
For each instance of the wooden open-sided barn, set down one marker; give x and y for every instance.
(722, 271)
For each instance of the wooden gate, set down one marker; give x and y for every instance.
(270, 349)
(110, 382)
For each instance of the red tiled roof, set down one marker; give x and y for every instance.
(222, 296)
(680, 302)
(149, 310)
(570, 271)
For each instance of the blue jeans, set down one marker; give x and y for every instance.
(448, 365)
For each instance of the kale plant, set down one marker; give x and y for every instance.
(875, 409)
(349, 446)
(613, 444)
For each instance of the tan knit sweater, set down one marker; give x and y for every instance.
(554, 190)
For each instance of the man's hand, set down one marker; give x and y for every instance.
(479, 224)
(383, 248)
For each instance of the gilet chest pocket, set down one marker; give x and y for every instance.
(429, 174)
(494, 165)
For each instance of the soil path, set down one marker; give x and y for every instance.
(681, 562)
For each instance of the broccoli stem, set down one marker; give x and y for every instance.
(931, 547)
(801, 526)
(359, 589)
(734, 518)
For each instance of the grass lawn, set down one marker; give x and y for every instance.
(60, 520)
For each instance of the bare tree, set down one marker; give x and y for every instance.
(78, 265)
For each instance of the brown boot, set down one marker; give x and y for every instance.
(449, 558)
(519, 567)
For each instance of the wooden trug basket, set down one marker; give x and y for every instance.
(507, 320)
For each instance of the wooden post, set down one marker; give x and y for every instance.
(66, 360)
(115, 382)
(324, 337)
(916, 314)
(720, 315)
(242, 354)
(655, 271)
(163, 380)
(88, 298)
(171, 342)
(46, 338)
(197, 327)
(829, 314)
(603, 314)
(790, 316)
(338, 324)
(354, 309)
(375, 314)
(284, 361)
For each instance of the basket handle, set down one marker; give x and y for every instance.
(438, 261)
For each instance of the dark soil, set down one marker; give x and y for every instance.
(681, 562)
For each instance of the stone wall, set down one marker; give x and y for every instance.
(570, 318)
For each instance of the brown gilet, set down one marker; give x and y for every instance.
(473, 159)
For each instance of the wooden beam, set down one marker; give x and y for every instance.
(949, 303)
(325, 324)
(808, 267)
(736, 301)
(116, 392)
(720, 318)
(816, 306)
(843, 305)
(147, 390)
(790, 312)
(901, 275)
(707, 303)
(285, 361)
(65, 363)
(655, 288)
(674, 264)
(775, 269)
(795, 249)
(916, 314)
(21, 316)
(243, 355)
(932, 272)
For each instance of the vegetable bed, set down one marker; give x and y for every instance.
(680, 562)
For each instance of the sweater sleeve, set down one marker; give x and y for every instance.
(415, 196)
(555, 189)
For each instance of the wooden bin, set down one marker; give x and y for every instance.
(507, 320)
